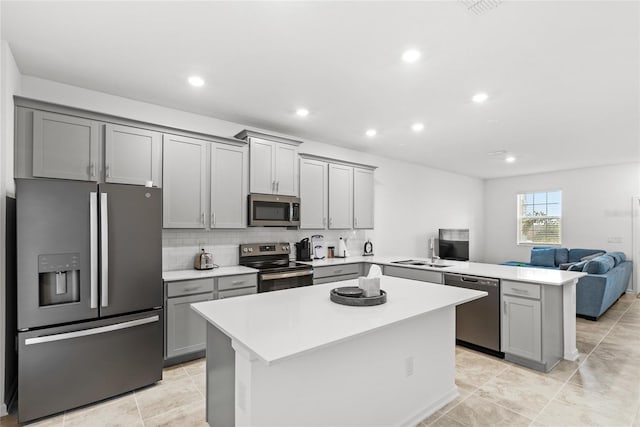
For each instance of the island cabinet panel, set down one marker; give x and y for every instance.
(340, 196)
(229, 172)
(313, 194)
(132, 155)
(184, 167)
(413, 274)
(65, 147)
(522, 327)
(362, 198)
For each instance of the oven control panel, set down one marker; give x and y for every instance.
(256, 249)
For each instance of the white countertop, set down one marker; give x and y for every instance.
(506, 272)
(172, 276)
(282, 324)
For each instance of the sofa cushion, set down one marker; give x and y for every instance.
(599, 265)
(592, 256)
(576, 254)
(577, 266)
(562, 256)
(544, 257)
(618, 257)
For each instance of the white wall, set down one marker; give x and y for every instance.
(596, 209)
(10, 84)
(411, 203)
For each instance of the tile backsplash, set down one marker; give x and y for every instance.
(179, 247)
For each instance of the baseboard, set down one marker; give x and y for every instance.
(432, 408)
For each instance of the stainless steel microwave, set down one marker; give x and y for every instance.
(271, 210)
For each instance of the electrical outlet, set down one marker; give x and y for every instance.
(201, 246)
(408, 366)
(614, 240)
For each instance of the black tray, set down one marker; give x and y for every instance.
(358, 301)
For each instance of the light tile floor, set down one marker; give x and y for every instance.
(602, 388)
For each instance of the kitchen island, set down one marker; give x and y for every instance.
(293, 357)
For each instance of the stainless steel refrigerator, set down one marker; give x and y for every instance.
(89, 292)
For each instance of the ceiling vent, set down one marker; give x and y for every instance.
(479, 7)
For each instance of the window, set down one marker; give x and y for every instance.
(539, 218)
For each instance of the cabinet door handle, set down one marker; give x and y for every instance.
(92, 169)
(202, 218)
(504, 307)
(277, 186)
(330, 222)
(520, 291)
(355, 220)
(213, 218)
(273, 186)
(108, 170)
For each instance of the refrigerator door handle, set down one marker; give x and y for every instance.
(92, 331)
(104, 250)
(93, 220)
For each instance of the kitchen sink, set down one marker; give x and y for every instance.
(420, 263)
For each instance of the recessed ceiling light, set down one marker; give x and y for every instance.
(371, 132)
(480, 97)
(302, 112)
(411, 55)
(196, 81)
(496, 153)
(417, 127)
(510, 159)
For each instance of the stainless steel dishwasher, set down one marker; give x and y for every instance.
(478, 321)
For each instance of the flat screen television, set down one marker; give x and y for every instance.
(453, 244)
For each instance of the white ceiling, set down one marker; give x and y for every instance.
(563, 76)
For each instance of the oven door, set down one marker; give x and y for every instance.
(268, 282)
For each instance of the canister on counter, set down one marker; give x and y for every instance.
(330, 251)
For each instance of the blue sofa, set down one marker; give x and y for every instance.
(607, 279)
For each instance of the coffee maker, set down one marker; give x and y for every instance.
(303, 250)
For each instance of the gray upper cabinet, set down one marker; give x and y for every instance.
(229, 171)
(340, 196)
(313, 193)
(362, 198)
(184, 170)
(273, 163)
(132, 155)
(286, 169)
(262, 168)
(65, 147)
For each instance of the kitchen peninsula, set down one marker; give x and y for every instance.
(539, 340)
(293, 357)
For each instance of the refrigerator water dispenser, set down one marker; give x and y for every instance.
(59, 278)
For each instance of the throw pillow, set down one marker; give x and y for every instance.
(566, 265)
(599, 265)
(562, 256)
(592, 256)
(543, 257)
(618, 257)
(577, 266)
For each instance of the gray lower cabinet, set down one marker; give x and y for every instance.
(132, 155)
(337, 273)
(413, 274)
(185, 330)
(65, 147)
(532, 324)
